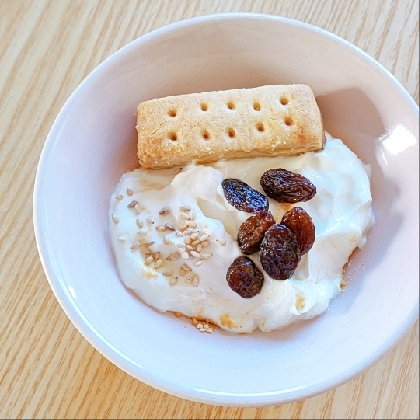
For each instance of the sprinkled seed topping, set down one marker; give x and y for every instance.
(144, 249)
(194, 322)
(150, 219)
(184, 216)
(179, 245)
(192, 225)
(198, 263)
(173, 280)
(165, 240)
(139, 223)
(195, 254)
(195, 243)
(137, 208)
(173, 257)
(204, 238)
(185, 256)
(129, 192)
(115, 219)
(205, 256)
(167, 273)
(165, 210)
(187, 240)
(121, 238)
(156, 255)
(186, 268)
(150, 243)
(204, 225)
(136, 245)
(194, 236)
(188, 232)
(178, 233)
(168, 226)
(182, 271)
(160, 228)
(195, 280)
(148, 260)
(205, 244)
(132, 204)
(189, 247)
(119, 197)
(192, 214)
(158, 263)
(221, 241)
(185, 208)
(199, 248)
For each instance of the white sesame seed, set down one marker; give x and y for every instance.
(148, 260)
(132, 204)
(115, 219)
(205, 244)
(150, 219)
(158, 263)
(156, 255)
(136, 245)
(204, 237)
(165, 210)
(189, 279)
(121, 238)
(195, 254)
(173, 257)
(178, 233)
(189, 247)
(183, 227)
(145, 249)
(173, 280)
(137, 208)
(160, 228)
(184, 216)
(204, 225)
(129, 192)
(139, 223)
(167, 273)
(168, 226)
(205, 256)
(180, 245)
(206, 325)
(185, 208)
(192, 225)
(185, 256)
(198, 263)
(199, 325)
(186, 267)
(119, 197)
(199, 248)
(187, 240)
(195, 280)
(188, 232)
(195, 243)
(194, 236)
(165, 240)
(221, 241)
(182, 271)
(192, 214)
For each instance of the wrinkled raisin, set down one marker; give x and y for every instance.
(244, 277)
(301, 223)
(279, 252)
(241, 196)
(287, 187)
(251, 232)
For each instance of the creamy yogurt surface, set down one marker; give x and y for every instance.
(174, 236)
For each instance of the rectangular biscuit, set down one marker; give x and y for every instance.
(239, 123)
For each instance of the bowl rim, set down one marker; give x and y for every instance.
(107, 349)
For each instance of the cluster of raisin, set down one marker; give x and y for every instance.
(281, 245)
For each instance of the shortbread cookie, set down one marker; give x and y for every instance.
(238, 123)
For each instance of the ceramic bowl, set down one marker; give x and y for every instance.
(93, 142)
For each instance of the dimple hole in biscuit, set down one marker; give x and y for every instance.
(203, 107)
(231, 132)
(288, 121)
(172, 113)
(206, 135)
(257, 106)
(260, 127)
(284, 100)
(172, 136)
(231, 105)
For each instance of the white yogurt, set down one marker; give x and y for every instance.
(340, 210)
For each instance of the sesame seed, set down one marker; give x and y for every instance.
(186, 267)
(204, 225)
(178, 233)
(199, 325)
(198, 263)
(195, 254)
(144, 249)
(195, 243)
(184, 216)
(173, 280)
(160, 228)
(148, 260)
(136, 245)
(173, 257)
(167, 273)
(199, 248)
(119, 197)
(182, 271)
(189, 248)
(185, 208)
(205, 244)
(158, 263)
(204, 238)
(165, 240)
(168, 226)
(183, 227)
(121, 238)
(187, 240)
(194, 321)
(165, 210)
(156, 255)
(195, 280)
(150, 243)
(188, 232)
(185, 256)
(132, 204)
(177, 171)
(206, 325)
(194, 236)
(139, 223)
(129, 192)
(222, 242)
(205, 256)
(150, 219)
(137, 208)
(115, 219)
(180, 245)
(192, 225)
(192, 214)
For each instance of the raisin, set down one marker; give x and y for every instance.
(251, 232)
(301, 223)
(244, 277)
(287, 187)
(241, 196)
(279, 252)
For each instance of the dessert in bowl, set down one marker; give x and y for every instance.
(93, 142)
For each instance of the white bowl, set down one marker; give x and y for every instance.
(93, 142)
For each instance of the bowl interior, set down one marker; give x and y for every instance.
(93, 142)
